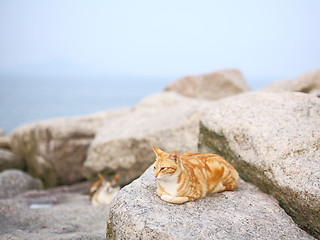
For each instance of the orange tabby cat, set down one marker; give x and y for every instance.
(104, 190)
(191, 176)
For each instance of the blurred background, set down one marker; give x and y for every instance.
(71, 57)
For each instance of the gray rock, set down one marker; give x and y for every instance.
(55, 149)
(273, 141)
(306, 83)
(167, 120)
(138, 213)
(59, 213)
(14, 182)
(9, 160)
(211, 86)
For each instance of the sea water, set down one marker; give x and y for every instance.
(26, 99)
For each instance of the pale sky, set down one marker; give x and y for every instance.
(264, 39)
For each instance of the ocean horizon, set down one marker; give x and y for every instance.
(25, 99)
(28, 99)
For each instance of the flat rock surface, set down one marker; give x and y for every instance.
(60, 213)
(138, 213)
(273, 139)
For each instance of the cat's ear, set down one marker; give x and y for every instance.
(174, 156)
(100, 176)
(157, 151)
(116, 176)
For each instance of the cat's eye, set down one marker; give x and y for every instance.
(163, 168)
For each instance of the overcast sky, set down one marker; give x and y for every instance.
(264, 39)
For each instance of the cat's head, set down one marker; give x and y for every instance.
(110, 185)
(166, 164)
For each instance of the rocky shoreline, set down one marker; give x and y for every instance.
(57, 213)
(271, 136)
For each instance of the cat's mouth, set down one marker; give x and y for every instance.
(158, 177)
(163, 177)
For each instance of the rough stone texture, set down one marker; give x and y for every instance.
(14, 182)
(307, 83)
(211, 86)
(9, 160)
(55, 149)
(166, 120)
(273, 140)
(138, 213)
(59, 213)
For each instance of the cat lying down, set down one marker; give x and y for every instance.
(192, 175)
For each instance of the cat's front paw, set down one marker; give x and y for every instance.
(166, 197)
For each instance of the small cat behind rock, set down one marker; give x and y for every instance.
(103, 191)
(192, 175)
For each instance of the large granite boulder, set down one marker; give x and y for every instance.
(9, 160)
(246, 213)
(306, 83)
(167, 120)
(14, 182)
(211, 86)
(57, 213)
(55, 149)
(273, 140)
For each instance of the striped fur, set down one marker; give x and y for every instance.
(192, 175)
